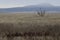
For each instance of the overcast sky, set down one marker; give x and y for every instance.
(21, 3)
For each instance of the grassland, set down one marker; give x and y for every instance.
(29, 22)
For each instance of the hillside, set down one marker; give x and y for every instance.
(44, 6)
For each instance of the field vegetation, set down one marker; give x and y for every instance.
(14, 26)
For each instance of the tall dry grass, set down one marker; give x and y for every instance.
(49, 26)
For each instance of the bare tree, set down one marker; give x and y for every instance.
(41, 12)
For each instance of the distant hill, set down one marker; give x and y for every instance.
(44, 6)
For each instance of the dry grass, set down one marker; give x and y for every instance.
(25, 22)
(29, 18)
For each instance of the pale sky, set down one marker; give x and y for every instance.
(21, 3)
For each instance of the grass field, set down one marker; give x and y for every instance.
(30, 22)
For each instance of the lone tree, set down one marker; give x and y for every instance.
(41, 12)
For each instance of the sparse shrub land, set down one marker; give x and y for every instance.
(29, 26)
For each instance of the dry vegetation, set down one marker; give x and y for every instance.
(30, 22)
